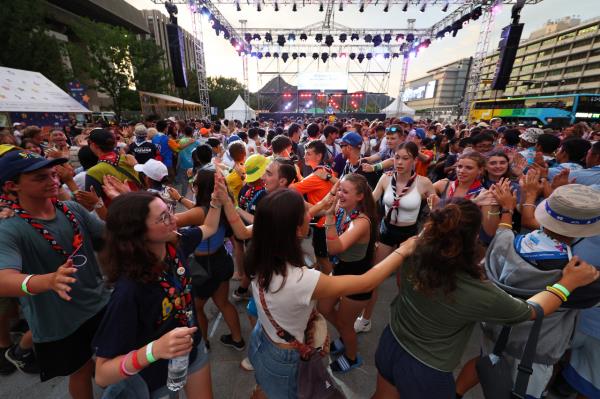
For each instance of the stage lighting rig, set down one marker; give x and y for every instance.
(303, 37)
(354, 37)
(368, 38)
(360, 57)
(321, 7)
(291, 37)
(362, 7)
(268, 37)
(315, 56)
(328, 40)
(387, 7)
(352, 56)
(256, 36)
(276, 6)
(446, 5)
(294, 55)
(376, 40)
(405, 8)
(324, 57)
(258, 7)
(387, 38)
(423, 6)
(294, 7)
(285, 56)
(319, 37)
(343, 37)
(281, 40)
(237, 6)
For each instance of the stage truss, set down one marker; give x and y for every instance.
(370, 75)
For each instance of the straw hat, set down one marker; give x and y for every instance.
(572, 211)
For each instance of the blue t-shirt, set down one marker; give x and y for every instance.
(184, 160)
(161, 141)
(565, 165)
(139, 313)
(587, 177)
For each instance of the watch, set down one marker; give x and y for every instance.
(328, 177)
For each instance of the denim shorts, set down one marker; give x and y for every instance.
(276, 369)
(411, 378)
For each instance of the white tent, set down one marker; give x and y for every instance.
(239, 110)
(26, 91)
(397, 109)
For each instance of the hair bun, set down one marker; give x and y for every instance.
(445, 220)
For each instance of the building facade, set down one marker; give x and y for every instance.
(440, 93)
(563, 57)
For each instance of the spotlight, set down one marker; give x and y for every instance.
(320, 7)
(361, 57)
(369, 56)
(476, 13)
(237, 6)
(276, 7)
(303, 37)
(410, 38)
(395, 55)
(291, 37)
(267, 54)
(294, 55)
(354, 37)
(259, 9)
(319, 37)
(423, 6)
(376, 40)
(445, 7)
(341, 6)
(362, 7)
(368, 38)
(248, 37)
(294, 8)
(352, 56)
(302, 55)
(268, 37)
(324, 57)
(387, 38)
(405, 8)
(259, 55)
(333, 55)
(315, 56)
(343, 37)
(328, 40)
(256, 36)
(387, 7)
(280, 40)
(275, 55)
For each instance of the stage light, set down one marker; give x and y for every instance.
(343, 37)
(395, 55)
(476, 13)
(276, 7)
(410, 38)
(267, 54)
(268, 37)
(352, 56)
(342, 55)
(354, 37)
(294, 55)
(315, 56)
(341, 6)
(387, 38)
(446, 5)
(253, 54)
(423, 6)
(387, 7)
(226, 34)
(248, 37)
(256, 36)
(291, 37)
(369, 56)
(328, 40)
(361, 57)
(362, 7)
(280, 40)
(303, 36)
(319, 37)
(294, 7)
(324, 57)
(368, 38)
(376, 40)
(258, 7)
(237, 6)
(405, 8)
(334, 55)
(275, 55)
(204, 11)
(302, 55)
(386, 55)
(321, 7)
(259, 55)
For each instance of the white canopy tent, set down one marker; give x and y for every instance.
(397, 109)
(239, 110)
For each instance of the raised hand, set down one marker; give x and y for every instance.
(61, 279)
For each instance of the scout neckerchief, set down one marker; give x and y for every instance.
(77, 236)
(472, 192)
(396, 204)
(247, 200)
(112, 158)
(342, 221)
(5, 200)
(177, 287)
(348, 169)
(538, 246)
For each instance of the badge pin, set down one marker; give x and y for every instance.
(180, 270)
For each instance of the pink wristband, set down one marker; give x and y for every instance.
(124, 371)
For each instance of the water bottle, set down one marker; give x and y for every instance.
(177, 376)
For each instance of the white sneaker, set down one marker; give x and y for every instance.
(362, 325)
(246, 365)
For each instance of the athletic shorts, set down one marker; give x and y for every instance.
(220, 266)
(392, 235)
(356, 269)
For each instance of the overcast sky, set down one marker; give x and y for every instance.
(221, 58)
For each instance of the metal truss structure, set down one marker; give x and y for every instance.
(200, 65)
(378, 60)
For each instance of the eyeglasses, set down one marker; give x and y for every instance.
(166, 217)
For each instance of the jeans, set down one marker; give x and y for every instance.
(276, 369)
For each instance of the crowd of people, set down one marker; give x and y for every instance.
(113, 239)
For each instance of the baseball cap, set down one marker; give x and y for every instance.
(420, 133)
(154, 169)
(204, 131)
(531, 134)
(407, 119)
(353, 139)
(232, 138)
(14, 163)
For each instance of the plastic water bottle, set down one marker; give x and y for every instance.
(178, 368)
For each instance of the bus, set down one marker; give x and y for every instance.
(549, 111)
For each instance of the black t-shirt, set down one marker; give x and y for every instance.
(142, 152)
(138, 313)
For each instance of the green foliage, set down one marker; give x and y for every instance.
(25, 43)
(223, 91)
(149, 61)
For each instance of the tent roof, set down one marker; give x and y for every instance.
(393, 107)
(27, 91)
(165, 97)
(238, 105)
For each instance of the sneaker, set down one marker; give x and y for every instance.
(227, 340)
(238, 295)
(362, 325)
(246, 365)
(25, 362)
(6, 367)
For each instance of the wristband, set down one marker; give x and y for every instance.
(135, 361)
(149, 356)
(557, 292)
(124, 371)
(532, 205)
(490, 213)
(180, 199)
(332, 238)
(24, 284)
(562, 288)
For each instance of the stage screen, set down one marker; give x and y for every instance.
(420, 92)
(322, 81)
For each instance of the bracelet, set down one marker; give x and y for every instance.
(531, 205)
(149, 356)
(555, 294)
(507, 225)
(558, 292)
(135, 361)
(24, 285)
(124, 371)
(181, 199)
(490, 213)
(562, 288)
(377, 167)
(215, 206)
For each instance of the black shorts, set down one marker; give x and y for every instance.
(319, 242)
(220, 267)
(67, 355)
(354, 268)
(393, 236)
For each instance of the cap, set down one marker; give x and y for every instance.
(407, 119)
(204, 131)
(13, 163)
(16, 124)
(531, 135)
(155, 170)
(482, 124)
(352, 139)
(255, 167)
(232, 138)
(420, 133)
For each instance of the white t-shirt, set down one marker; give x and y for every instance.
(290, 305)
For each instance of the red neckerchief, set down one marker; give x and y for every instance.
(5, 201)
(111, 158)
(403, 192)
(472, 192)
(342, 221)
(77, 236)
(177, 287)
(248, 196)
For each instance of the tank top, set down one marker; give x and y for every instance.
(410, 204)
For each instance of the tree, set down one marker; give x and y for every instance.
(190, 93)
(148, 61)
(26, 43)
(103, 56)
(223, 91)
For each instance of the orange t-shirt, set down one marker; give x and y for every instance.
(315, 190)
(421, 167)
